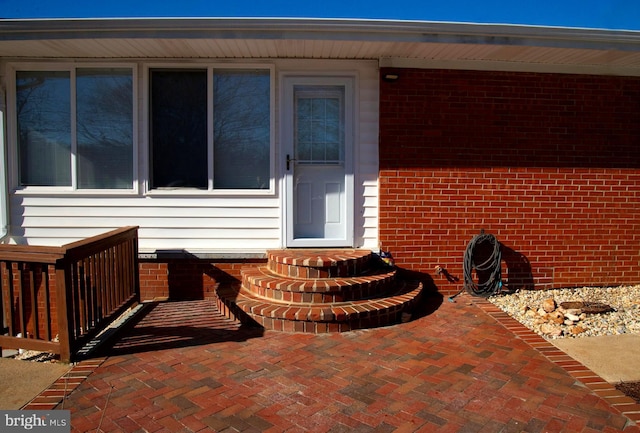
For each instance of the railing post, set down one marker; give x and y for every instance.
(65, 311)
(136, 265)
(2, 303)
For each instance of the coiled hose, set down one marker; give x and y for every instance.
(488, 272)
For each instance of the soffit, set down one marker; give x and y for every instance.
(396, 42)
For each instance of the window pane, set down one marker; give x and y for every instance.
(319, 134)
(104, 128)
(179, 128)
(241, 123)
(44, 128)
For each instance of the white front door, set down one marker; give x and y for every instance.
(317, 156)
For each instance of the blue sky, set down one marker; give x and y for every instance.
(607, 14)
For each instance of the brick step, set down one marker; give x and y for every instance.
(319, 263)
(321, 317)
(263, 282)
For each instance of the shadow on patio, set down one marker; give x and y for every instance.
(175, 324)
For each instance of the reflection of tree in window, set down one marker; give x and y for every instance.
(103, 134)
(104, 128)
(241, 124)
(179, 128)
(44, 128)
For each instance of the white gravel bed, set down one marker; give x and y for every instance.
(624, 319)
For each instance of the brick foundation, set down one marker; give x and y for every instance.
(185, 279)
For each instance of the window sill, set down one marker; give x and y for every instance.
(60, 191)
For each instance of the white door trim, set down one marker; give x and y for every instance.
(286, 148)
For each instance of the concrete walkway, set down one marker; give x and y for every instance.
(615, 358)
(463, 366)
(21, 381)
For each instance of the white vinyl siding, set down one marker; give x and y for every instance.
(205, 221)
(366, 157)
(185, 223)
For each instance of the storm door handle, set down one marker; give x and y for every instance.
(289, 159)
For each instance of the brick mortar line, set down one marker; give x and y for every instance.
(596, 387)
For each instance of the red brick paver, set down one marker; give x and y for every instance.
(184, 368)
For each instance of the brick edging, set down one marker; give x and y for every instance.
(57, 392)
(615, 398)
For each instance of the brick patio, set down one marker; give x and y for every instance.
(464, 367)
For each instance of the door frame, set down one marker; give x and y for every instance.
(287, 83)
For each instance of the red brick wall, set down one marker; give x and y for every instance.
(548, 163)
(192, 278)
(153, 281)
(32, 275)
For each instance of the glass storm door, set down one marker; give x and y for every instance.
(317, 149)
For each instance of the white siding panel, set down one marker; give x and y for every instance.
(238, 246)
(198, 202)
(57, 236)
(169, 223)
(371, 190)
(371, 204)
(370, 214)
(371, 233)
(148, 212)
(207, 235)
(367, 159)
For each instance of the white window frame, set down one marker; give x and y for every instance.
(12, 127)
(210, 191)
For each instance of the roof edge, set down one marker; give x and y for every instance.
(319, 28)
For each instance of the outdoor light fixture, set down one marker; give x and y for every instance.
(390, 77)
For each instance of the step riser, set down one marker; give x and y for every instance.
(307, 272)
(351, 294)
(326, 327)
(312, 264)
(329, 318)
(316, 291)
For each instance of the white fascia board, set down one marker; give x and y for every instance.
(321, 29)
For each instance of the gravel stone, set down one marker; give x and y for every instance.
(624, 319)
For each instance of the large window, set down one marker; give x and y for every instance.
(209, 128)
(75, 128)
(224, 145)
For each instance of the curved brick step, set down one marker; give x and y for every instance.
(319, 263)
(322, 317)
(266, 284)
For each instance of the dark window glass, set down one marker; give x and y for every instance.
(179, 129)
